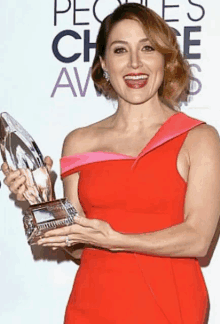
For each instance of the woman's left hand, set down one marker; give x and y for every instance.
(92, 232)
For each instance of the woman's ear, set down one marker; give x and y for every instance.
(102, 63)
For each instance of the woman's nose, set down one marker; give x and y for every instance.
(135, 61)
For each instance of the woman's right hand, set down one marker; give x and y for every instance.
(15, 180)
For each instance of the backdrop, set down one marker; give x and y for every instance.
(46, 52)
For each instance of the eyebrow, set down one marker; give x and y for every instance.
(124, 42)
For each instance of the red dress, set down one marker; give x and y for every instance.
(136, 195)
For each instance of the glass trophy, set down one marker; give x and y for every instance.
(20, 151)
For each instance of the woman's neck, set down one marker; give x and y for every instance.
(132, 118)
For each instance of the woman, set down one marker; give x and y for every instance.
(146, 183)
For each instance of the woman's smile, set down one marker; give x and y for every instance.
(136, 80)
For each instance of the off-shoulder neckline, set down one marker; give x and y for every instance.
(121, 154)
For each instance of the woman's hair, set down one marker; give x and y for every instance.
(176, 83)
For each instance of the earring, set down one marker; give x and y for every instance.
(106, 75)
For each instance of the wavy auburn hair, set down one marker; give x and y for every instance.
(176, 82)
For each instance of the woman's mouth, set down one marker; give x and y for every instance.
(136, 80)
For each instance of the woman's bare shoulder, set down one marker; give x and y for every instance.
(84, 139)
(203, 132)
(202, 139)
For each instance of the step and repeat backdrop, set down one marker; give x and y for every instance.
(46, 53)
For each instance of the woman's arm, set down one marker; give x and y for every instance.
(191, 238)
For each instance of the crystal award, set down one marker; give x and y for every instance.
(20, 151)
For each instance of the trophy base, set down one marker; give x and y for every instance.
(43, 217)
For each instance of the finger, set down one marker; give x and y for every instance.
(5, 168)
(15, 186)
(57, 232)
(85, 222)
(11, 176)
(54, 245)
(57, 245)
(64, 231)
(52, 240)
(20, 193)
(49, 163)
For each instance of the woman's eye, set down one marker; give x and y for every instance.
(148, 48)
(119, 50)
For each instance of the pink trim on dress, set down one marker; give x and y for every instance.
(76, 160)
(164, 134)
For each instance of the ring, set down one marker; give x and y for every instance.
(68, 241)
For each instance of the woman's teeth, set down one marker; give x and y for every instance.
(136, 77)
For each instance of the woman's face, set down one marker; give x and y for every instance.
(136, 70)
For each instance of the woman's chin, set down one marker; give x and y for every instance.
(135, 99)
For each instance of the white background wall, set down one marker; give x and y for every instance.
(35, 283)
